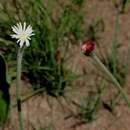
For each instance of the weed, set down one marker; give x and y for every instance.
(44, 61)
(88, 109)
(117, 66)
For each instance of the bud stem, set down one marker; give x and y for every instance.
(113, 79)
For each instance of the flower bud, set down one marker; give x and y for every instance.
(87, 47)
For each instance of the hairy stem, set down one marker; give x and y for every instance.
(113, 79)
(18, 86)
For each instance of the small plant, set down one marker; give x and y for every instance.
(95, 29)
(88, 108)
(122, 5)
(22, 33)
(84, 47)
(44, 61)
(118, 67)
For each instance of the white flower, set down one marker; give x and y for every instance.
(22, 34)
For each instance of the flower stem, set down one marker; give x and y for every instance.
(114, 80)
(18, 86)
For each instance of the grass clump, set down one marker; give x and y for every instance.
(44, 61)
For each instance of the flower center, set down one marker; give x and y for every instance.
(23, 36)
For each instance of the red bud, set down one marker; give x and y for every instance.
(87, 46)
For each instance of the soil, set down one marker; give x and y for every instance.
(44, 111)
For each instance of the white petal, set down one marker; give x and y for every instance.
(29, 38)
(31, 34)
(15, 29)
(14, 36)
(29, 29)
(20, 27)
(18, 41)
(27, 43)
(24, 26)
(21, 43)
